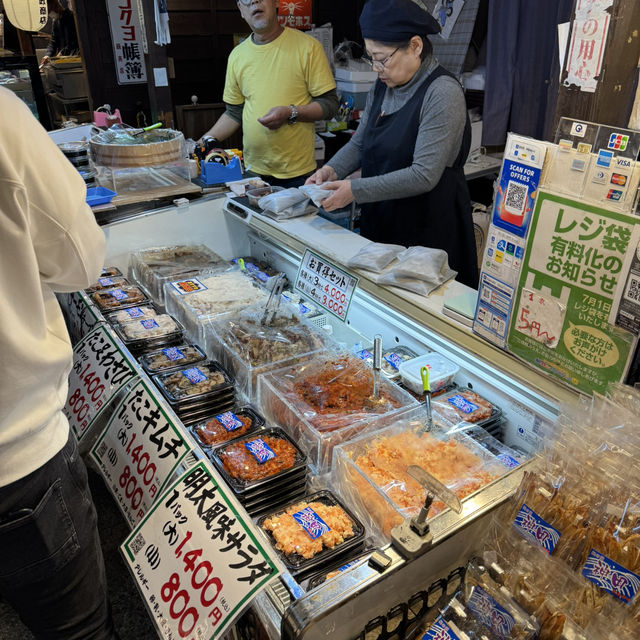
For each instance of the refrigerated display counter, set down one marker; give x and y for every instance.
(528, 401)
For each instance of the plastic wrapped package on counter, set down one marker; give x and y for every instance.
(119, 298)
(196, 300)
(246, 347)
(462, 408)
(108, 282)
(149, 333)
(221, 428)
(154, 266)
(131, 314)
(372, 471)
(168, 358)
(329, 399)
(110, 272)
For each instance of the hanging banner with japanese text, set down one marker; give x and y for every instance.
(197, 562)
(100, 369)
(128, 41)
(573, 261)
(297, 14)
(138, 451)
(587, 43)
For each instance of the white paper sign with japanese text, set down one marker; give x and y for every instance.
(100, 369)
(138, 451)
(196, 561)
(128, 41)
(81, 314)
(325, 284)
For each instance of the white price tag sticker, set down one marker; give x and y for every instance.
(197, 562)
(138, 451)
(100, 370)
(327, 285)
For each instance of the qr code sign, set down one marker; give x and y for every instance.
(515, 198)
(633, 290)
(137, 544)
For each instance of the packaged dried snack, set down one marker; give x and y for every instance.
(154, 266)
(247, 347)
(461, 407)
(119, 297)
(375, 256)
(329, 399)
(392, 359)
(131, 314)
(312, 531)
(171, 358)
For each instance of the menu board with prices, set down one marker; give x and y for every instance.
(139, 450)
(197, 562)
(100, 369)
(325, 284)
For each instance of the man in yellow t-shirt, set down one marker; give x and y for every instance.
(278, 84)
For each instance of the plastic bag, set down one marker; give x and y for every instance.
(316, 193)
(279, 201)
(375, 256)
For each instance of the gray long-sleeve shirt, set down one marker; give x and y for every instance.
(442, 120)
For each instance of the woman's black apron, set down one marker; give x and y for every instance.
(440, 218)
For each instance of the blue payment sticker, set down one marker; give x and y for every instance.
(604, 158)
(260, 450)
(611, 576)
(311, 522)
(105, 282)
(394, 360)
(135, 312)
(173, 353)
(532, 527)
(149, 323)
(490, 613)
(194, 375)
(460, 402)
(118, 294)
(229, 420)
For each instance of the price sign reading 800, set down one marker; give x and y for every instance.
(139, 449)
(197, 561)
(100, 370)
(327, 285)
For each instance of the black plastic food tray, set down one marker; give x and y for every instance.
(295, 562)
(282, 494)
(186, 401)
(199, 356)
(112, 282)
(320, 578)
(241, 487)
(257, 511)
(257, 422)
(279, 486)
(110, 317)
(120, 304)
(192, 414)
(139, 345)
(110, 272)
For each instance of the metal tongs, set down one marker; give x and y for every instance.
(273, 303)
(426, 387)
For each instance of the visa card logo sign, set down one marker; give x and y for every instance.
(618, 141)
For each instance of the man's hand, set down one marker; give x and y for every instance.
(341, 196)
(275, 118)
(324, 174)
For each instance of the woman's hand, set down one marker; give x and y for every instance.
(324, 174)
(341, 196)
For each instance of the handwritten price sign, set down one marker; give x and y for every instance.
(139, 451)
(100, 370)
(327, 285)
(81, 314)
(197, 562)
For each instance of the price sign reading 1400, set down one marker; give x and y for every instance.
(325, 284)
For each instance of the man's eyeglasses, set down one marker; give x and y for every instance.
(246, 3)
(379, 65)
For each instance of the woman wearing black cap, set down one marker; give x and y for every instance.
(411, 144)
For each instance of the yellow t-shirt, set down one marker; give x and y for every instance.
(289, 70)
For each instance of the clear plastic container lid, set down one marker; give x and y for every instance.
(161, 326)
(226, 426)
(393, 358)
(119, 297)
(108, 282)
(204, 380)
(174, 259)
(132, 314)
(441, 372)
(171, 358)
(313, 530)
(249, 462)
(110, 272)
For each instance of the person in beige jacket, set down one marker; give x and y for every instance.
(51, 564)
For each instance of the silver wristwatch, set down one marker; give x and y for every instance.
(293, 118)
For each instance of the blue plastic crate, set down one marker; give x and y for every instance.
(214, 173)
(99, 195)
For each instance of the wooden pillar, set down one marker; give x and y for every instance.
(612, 101)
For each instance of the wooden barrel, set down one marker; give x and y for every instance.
(145, 154)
